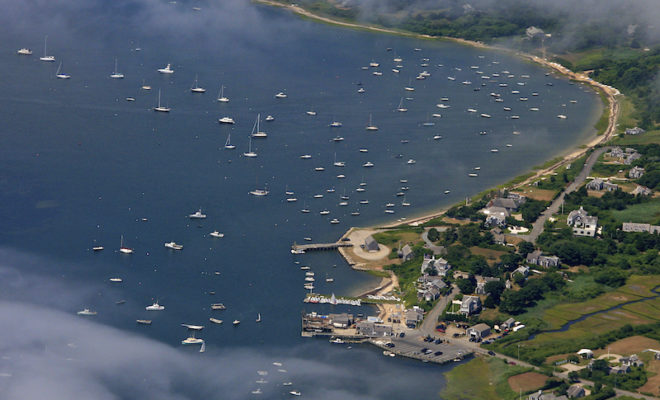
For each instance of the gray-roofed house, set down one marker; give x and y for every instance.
(478, 331)
(537, 258)
(406, 253)
(470, 305)
(600, 184)
(632, 361)
(496, 216)
(636, 227)
(506, 203)
(575, 392)
(508, 324)
(413, 316)
(370, 244)
(546, 396)
(342, 320)
(634, 131)
(582, 223)
(522, 270)
(631, 157)
(636, 172)
(434, 266)
(373, 329)
(642, 191)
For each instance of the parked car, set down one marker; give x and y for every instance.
(491, 353)
(402, 334)
(438, 341)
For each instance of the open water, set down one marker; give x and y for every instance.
(80, 166)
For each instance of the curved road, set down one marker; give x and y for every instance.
(554, 207)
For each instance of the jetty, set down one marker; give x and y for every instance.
(302, 248)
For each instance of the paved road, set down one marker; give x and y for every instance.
(428, 325)
(430, 245)
(556, 204)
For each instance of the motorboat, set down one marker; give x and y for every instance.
(143, 321)
(197, 215)
(218, 307)
(291, 199)
(192, 340)
(437, 137)
(306, 156)
(167, 70)
(319, 169)
(259, 192)
(411, 162)
(335, 124)
(24, 52)
(363, 150)
(270, 118)
(215, 320)
(226, 120)
(174, 246)
(216, 234)
(155, 307)
(97, 248)
(310, 113)
(236, 322)
(295, 393)
(281, 95)
(116, 280)
(258, 317)
(86, 311)
(324, 212)
(334, 221)
(318, 196)
(561, 116)
(368, 164)
(485, 115)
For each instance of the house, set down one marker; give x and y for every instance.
(631, 155)
(470, 305)
(582, 223)
(634, 131)
(599, 184)
(508, 324)
(342, 320)
(533, 32)
(619, 369)
(635, 227)
(522, 270)
(585, 353)
(636, 172)
(434, 266)
(632, 361)
(546, 396)
(509, 204)
(642, 191)
(616, 152)
(575, 391)
(373, 329)
(537, 258)
(429, 287)
(481, 284)
(495, 216)
(413, 316)
(498, 236)
(478, 331)
(406, 253)
(370, 244)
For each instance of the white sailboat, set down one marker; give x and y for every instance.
(124, 249)
(46, 57)
(161, 108)
(371, 127)
(196, 88)
(228, 144)
(401, 108)
(116, 74)
(250, 153)
(256, 132)
(59, 74)
(221, 96)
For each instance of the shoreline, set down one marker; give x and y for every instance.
(573, 153)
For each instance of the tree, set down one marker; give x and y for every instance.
(495, 288)
(573, 376)
(433, 235)
(467, 286)
(525, 248)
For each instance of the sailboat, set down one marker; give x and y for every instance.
(221, 96)
(195, 88)
(409, 88)
(122, 248)
(256, 133)
(228, 144)
(400, 108)
(338, 163)
(46, 57)
(161, 108)
(250, 153)
(371, 127)
(59, 73)
(116, 74)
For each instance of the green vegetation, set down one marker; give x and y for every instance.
(481, 379)
(564, 175)
(648, 212)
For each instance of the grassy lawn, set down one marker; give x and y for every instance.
(645, 213)
(491, 256)
(481, 379)
(603, 121)
(645, 138)
(392, 238)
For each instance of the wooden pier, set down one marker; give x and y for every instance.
(299, 248)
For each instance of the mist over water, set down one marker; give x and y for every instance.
(81, 166)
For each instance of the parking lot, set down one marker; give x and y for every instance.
(414, 346)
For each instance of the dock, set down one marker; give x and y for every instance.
(301, 248)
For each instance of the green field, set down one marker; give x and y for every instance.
(643, 213)
(481, 378)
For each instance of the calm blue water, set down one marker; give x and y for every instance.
(81, 166)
